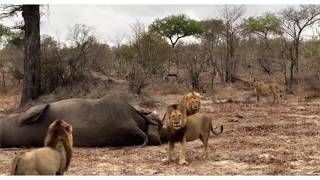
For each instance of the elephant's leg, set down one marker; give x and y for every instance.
(153, 135)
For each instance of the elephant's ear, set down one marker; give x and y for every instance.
(144, 111)
(33, 114)
(153, 119)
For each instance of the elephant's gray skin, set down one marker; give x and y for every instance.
(108, 121)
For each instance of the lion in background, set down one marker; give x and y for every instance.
(265, 89)
(189, 104)
(53, 159)
(182, 128)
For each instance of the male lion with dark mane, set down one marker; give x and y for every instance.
(182, 128)
(53, 159)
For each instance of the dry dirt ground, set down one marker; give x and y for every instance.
(258, 139)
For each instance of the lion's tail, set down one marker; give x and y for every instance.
(14, 165)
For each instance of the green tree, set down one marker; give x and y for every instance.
(5, 33)
(263, 26)
(175, 27)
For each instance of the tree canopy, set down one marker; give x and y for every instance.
(5, 33)
(263, 25)
(175, 27)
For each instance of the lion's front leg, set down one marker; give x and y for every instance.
(258, 96)
(170, 152)
(275, 98)
(182, 158)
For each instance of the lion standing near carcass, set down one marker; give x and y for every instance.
(189, 104)
(182, 128)
(53, 159)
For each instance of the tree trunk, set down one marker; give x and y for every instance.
(230, 59)
(284, 70)
(227, 71)
(3, 79)
(291, 75)
(195, 81)
(227, 63)
(31, 79)
(297, 44)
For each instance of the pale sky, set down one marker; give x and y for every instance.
(112, 22)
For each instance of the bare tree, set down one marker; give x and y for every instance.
(80, 37)
(294, 23)
(195, 61)
(211, 42)
(231, 17)
(5, 34)
(149, 52)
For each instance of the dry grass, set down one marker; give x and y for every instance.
(9, 101)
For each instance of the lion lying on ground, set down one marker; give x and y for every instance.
(180, 128)
(265, 89)
(53, 159)
(189, 104)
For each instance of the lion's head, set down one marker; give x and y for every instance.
(191, 102)
(60, 132)
(176, 119)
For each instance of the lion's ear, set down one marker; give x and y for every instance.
(32, 115)
(195, 93)
(198, 95)
(69, 129)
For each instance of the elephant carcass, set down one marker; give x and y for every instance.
(108, 121)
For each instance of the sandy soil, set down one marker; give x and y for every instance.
(258, 139)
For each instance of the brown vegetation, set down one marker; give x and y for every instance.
(260, 138)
